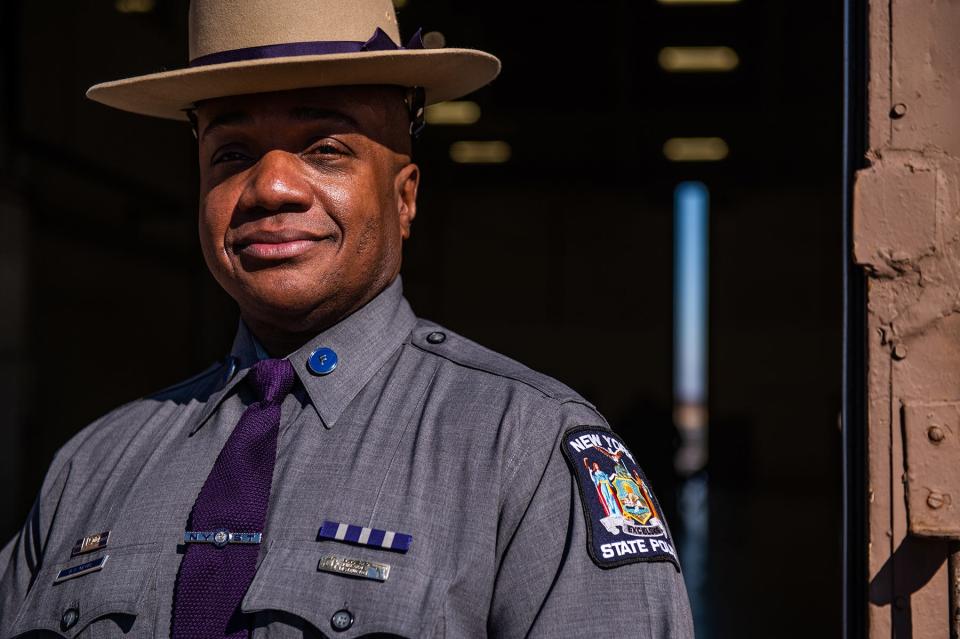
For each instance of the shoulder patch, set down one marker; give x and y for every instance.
(624, 520)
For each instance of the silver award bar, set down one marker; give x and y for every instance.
(354, 567)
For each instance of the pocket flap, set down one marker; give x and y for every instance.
(116, 589)
(406, 604)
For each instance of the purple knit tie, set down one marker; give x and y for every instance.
(213, 580)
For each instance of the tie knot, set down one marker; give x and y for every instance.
(271, 379)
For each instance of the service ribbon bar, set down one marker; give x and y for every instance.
(363, 536)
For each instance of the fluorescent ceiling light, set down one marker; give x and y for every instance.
(134, 6)
(698, 1)
(698, 59)
(487, 152)
(695, 149)
(453, 112)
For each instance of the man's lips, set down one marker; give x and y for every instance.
(275, 245)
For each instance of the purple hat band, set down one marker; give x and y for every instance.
(379, 41)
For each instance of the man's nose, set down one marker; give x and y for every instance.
(276, 184)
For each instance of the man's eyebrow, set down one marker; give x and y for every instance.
(302, 114)
(309, 114)
(226, 119)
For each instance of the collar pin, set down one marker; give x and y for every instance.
(322, 361)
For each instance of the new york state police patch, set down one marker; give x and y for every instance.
(624, 524)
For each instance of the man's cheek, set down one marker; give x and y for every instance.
(207, 236)
(213, 244)
(215, 212)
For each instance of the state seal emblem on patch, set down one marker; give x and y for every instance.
(624, 524)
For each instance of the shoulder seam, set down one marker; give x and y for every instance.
(585, 403)
(525, 382)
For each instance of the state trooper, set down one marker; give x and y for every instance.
(349, 469)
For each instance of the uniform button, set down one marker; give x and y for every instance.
(436, 337)
(69, 619)
(322, 361)
(341, 620)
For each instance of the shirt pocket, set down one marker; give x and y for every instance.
(105, 603)
(408, 604)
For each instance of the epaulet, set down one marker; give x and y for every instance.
(192, 384)
(442, 342)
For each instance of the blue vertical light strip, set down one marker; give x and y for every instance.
(690, 346)
(691, 281)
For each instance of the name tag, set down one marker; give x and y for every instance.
(354, 567)
(82, 569)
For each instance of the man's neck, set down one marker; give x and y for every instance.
(279, 339)
(273, 341)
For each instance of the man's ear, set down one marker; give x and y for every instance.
(405, 186)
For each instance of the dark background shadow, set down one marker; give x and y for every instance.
(561, 258)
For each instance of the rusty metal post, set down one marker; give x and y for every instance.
(906, 237)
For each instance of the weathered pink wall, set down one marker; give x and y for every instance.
(907, 237)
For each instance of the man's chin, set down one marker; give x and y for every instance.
(296, 302)
(284, 302)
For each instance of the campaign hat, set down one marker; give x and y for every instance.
(240, 47)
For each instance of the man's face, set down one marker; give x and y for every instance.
(305, 199)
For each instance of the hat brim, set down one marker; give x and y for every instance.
(444, 74)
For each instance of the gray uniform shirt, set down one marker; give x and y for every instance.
(435, 437)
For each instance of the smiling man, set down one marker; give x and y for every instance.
(306, 197)
(349, 469)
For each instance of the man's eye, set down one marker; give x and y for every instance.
(229, 156)
(326, 147)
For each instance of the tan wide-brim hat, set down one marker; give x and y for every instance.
(239, 47)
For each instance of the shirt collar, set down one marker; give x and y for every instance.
(363, 342)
